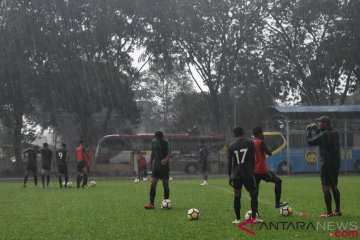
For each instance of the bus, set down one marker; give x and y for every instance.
(115, 154)
(303, 158)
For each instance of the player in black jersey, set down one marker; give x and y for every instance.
(160, 156)
(241, 158)
(328, 140)
(46, 155)
(62, 158)
(31, 155)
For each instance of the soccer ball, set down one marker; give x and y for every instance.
(92, 184)
(193, 214)
(286, 211)
(248, 215)
(69, 184)
(166, 204)
(136, 180)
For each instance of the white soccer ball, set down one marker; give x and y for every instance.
(248, 215)
(166, 204)
(92, 184)
(285, 211)
(136, 180)
(69, 184)
(193, 214)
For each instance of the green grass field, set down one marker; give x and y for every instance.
(114, 210)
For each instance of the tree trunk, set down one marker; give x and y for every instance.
(17, 138)
(214, 99)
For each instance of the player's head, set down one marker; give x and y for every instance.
(159, 134)
(45, 145)
(238, 132)
(35, 147)
(324, 122)
(81, 142)
(258, 132)
(63, 145)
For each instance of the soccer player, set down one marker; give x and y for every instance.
(46, 156)
(203, 154)
(241, 161)
(160, 156)
(328, 141)
(142, 173)
(80, 153)
(62, 157)
(31, 165)
(88, 157)
(261, 170)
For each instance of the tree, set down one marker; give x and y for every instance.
(156, 93)
(66, 58)
(209, 35)
(17, 74)
(302, 39)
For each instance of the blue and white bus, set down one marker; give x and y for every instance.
(299, 157)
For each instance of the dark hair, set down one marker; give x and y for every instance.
(325, 119)
(81, 141)
(238, 131)
(45, 145)
(63, 145)
(257, 131)
(159, 134)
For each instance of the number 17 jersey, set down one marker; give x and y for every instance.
(241, 158)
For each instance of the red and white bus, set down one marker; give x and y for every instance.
(115, 154)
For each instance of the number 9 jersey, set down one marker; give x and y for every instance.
(241, 158)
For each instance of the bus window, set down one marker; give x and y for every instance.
(356, 140)
(297, 140)
(109, 148)
(350, 139)
(140, 144)
(274, 141)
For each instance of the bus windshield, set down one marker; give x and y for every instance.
(275, 141)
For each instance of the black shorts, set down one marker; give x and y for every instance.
(80, 166)
(161, 173)
(249, 183)
(204, 167)
(63, 169)
(46, 167)
(32, 168)
(267, 177)
(329, 175)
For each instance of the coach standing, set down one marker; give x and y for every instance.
(328, 141)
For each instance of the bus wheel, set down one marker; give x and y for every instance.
(357, 166)
(283, 168)
(191, 168)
